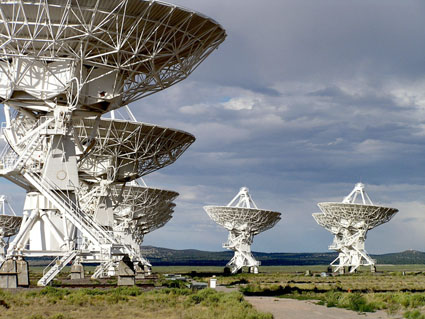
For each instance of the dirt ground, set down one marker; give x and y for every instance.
(306, 309)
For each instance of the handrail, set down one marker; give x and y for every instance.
(51, 264)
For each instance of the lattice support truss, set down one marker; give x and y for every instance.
(349, 222)
(243, 220)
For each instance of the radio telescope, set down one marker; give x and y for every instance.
(9, 224)
(63, 65)
(349, 222)
(243, 220)
(135, 210)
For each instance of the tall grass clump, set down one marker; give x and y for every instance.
(414, 314)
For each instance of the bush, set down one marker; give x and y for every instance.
(415, 314)
(358, 303)
(55, 292)
(332, 299)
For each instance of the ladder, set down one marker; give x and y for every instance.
(58, 265)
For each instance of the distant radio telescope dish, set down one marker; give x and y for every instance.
(243, 220)
(9, 224)
(349, 222)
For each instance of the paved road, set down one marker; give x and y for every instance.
(306, 309)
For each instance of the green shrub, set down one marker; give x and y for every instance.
(332, 299)
(358, 303)
(127, 291)
(415, 314)
(56, 292)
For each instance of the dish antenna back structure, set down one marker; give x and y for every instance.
(136, 210)
(63, 65)
(243, 220)
(350, 221)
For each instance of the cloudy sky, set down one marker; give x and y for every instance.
(302, 100)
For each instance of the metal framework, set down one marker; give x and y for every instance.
(349, 222)
(243, 220)
(63, 64)
(130, 210)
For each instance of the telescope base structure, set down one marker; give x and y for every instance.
(241, 245)
(350, 245)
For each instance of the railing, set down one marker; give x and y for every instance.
(50, 265)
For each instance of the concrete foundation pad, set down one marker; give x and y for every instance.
(77, 271)
(23, 273)
(126, 273)
(9, 274)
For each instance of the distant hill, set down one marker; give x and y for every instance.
(405, 257)
(192, 257)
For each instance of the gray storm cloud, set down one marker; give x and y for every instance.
(303, 100)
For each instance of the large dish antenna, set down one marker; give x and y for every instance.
(98, 55)
(243, 220)
(350, 221)
(111, 149)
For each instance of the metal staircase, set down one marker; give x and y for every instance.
(11, 163)
(17, 169)
(102, 269)
(70, 210)
(55, 267)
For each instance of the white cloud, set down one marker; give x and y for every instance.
(241, 103)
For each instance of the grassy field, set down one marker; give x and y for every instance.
(124, 303)
(398, 289)
(283, 269)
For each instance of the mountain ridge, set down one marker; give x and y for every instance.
(193, 257)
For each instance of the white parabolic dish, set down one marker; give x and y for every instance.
(133, 148)
(370, 215)
(98, 55)
(252, 219)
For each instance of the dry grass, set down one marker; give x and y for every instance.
(123, 303)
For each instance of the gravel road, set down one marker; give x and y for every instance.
(306, 309)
